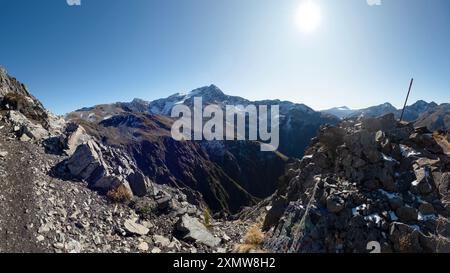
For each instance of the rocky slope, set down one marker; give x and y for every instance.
(375, 180)
(48, 169)
(436, 119)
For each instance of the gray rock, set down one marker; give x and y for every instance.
(156, 250)
(86, 163)
(32, 130)
(75, 135)
(143, 246)
(134, 228)
(106, 184)
(161, 241)
(73, 246)
(3, 153)
(163, 203)
(384, 123)
(139, 184)
(192, 230)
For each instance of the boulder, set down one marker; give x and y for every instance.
(74, 136)
(192, 230)
(139, 184)
(25, 126)
(384, 123)
(404, 238)
(86, 163)
(434, 244)
(275, 212)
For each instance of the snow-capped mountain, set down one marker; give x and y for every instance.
(412, 112)
(340, 112)
(298, 122)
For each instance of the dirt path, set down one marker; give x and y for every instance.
(17, 206)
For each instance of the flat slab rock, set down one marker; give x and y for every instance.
(193, 230)
(135, 228)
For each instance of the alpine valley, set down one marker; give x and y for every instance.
(110, 178)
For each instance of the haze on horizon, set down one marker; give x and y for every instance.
(329, 54)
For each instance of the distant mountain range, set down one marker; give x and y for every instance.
(412, 112)
(297, 121)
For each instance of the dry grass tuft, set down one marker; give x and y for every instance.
(253, 240)
(121, 194)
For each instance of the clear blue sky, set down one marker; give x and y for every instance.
(114, 50)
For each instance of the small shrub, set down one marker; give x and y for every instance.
(121, 194)
(254, 236)
(253, 240)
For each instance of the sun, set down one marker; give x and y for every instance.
(308, 16)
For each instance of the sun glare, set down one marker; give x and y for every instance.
(308, 16)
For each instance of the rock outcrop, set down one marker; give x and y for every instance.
(364, 181)
(28, 117)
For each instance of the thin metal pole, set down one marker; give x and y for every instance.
(407, 97)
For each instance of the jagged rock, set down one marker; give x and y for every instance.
(404, 238)
(372, 172)
(132, 227)
(75, 135)
(434, 244)
(3, 153)
(86, 163)
(32, 130)
(442, 181)
(192, 230)
(139, 184)
(275, 212)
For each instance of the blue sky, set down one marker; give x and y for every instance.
(114, 50)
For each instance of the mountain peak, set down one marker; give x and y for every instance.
(211, 90)
(387, 104)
